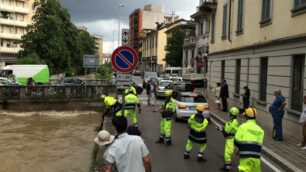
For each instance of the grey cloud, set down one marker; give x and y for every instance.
(93, 10)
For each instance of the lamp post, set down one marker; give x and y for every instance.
(114, 39)
(119, 7)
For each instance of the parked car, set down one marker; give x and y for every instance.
(177, 80)
(71, 81)
(137, 73)
(186, 103)
(161, 88)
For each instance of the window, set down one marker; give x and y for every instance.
(240, 16)
(299, 7)
(186, 57)
(238, 70)
(224, 26)
(212, 34)
(263, 79)
(297, 82)
(192, 58)
(222, 70)
(266, 12)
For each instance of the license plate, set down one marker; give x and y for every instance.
(192, 108)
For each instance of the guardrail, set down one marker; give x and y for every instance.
(54, 93)
(88, 82)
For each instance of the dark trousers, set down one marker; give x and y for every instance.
(246, 104)
(304, 134)
(224, 103)
(278, 129)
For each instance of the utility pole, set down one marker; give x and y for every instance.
(119, 7)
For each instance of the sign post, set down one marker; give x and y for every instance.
(124, 61)
(125, 36)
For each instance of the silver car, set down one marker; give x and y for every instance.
(186, 103)
(162, 87)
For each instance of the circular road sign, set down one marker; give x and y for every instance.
(124, 59)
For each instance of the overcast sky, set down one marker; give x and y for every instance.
(101, 16)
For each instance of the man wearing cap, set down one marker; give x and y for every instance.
(249, 139)
(127, 153)
(131, 101)
(198, 124)
(167, 110)
(229, 131)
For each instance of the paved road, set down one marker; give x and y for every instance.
(168, 159)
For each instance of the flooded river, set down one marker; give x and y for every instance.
(47, 141)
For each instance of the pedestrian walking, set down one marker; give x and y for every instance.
(167, 111)
(249, 139)
(246, 98)
(277, 111)
(151, 93)
(217, 95)
(224, 95)
(131, 102)
(103, 139)
(303, 122)
(229, 131)
(128, 152)
(198, 124)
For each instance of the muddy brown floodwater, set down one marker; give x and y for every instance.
(47, 141)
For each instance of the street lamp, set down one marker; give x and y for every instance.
(114, 39)
(119, 6)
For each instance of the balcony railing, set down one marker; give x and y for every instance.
(191, 40)
(9, 49)
(10, 8)
(10, 36)
(13, 22)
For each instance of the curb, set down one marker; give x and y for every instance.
(283, 163)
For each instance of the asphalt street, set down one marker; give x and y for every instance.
(168, 159)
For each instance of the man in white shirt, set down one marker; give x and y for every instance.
(303, 121)
(127, 153)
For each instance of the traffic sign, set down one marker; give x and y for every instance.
(124, 77)
(125, 36)
(124, 59)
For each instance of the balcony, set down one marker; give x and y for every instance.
(208, 5)
(13, 50)
(13, 22)
(10, 36)
(10, 8)
(190, 41)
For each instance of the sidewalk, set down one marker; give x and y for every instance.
(286, 153)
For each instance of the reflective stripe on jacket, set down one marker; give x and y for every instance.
(230, 129)
(168, 109)
(249, 139)
(198, 124)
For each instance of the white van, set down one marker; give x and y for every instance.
(173, 71)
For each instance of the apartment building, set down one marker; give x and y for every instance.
(15, 15)
(195, 49)
(146, 19)
(154, 44)
(99, 44)
(261, 44)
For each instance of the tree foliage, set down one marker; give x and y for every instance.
(175, 43)
(30, 59)
(54, 38)
(105, 71)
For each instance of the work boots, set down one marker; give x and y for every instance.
(160, 140)
(168, 141)
(186, 155)
(200, 157)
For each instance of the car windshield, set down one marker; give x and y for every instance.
(190, 99)
(164, 84)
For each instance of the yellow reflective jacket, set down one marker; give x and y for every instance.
(230, 128)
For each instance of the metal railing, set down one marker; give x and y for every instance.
(54, 93)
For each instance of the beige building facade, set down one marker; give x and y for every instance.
(15, 15)
(153, 47)
(260, 44)
(99, 43)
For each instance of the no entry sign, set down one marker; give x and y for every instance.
(124, 59)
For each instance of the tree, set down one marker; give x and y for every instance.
(105, 71)
(175, 44)
(53, 38)
(30, 59)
